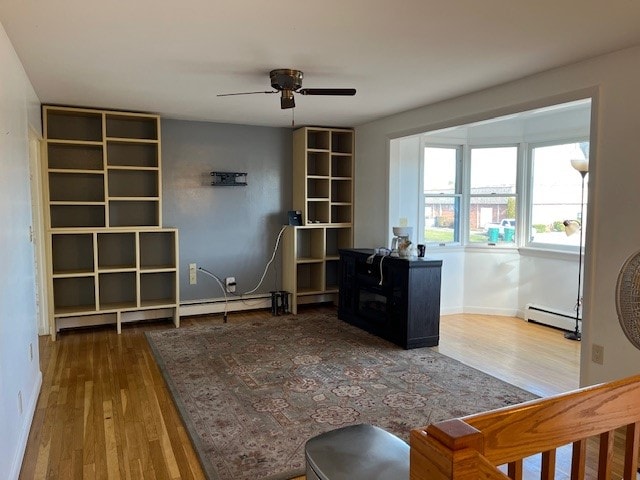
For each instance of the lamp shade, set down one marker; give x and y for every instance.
(571, 227)
(580, 164)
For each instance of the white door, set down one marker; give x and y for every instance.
(486, 216)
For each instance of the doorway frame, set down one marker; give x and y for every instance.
(38, 231)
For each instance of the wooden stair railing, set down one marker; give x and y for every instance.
(473, 447)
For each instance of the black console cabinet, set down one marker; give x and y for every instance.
(404, 308)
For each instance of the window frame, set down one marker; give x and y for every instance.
(529, 193)
(516, 195)
(458, 195)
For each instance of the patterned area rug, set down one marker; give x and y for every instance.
(251, 394)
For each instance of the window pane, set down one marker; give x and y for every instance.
(492, 202)
(556, 192)
(440, 165)
(493, 170)
(492, 219)
(441, 223)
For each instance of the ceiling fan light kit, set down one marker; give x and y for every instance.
(288, 81)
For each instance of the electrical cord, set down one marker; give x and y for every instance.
(381, 274)
(266, 268)
(224, 290)
(275, 249)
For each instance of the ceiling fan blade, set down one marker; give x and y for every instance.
(327, 91)
(242, 93)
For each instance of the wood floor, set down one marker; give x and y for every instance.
(104, 411)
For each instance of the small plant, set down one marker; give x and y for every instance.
(540, 227)
(558, 226)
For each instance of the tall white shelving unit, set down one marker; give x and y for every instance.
(323, 160)
(108, 252)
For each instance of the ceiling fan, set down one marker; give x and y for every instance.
(288, 81)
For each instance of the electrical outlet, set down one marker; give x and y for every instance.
(230, 284)
(597, 354)
(193, 274)
(19, 402)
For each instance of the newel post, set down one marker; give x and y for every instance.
(445, 450)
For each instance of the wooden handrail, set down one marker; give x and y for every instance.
(472, 447)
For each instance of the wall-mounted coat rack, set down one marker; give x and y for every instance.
(225, 179)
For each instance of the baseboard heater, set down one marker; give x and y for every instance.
(217, 305)
(552, 317)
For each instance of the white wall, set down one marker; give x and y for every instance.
(549, 280)
(613, 177)
(491, 281)
(18, 373)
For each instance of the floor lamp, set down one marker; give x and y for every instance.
(571, 227)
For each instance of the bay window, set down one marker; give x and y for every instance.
(503, 182)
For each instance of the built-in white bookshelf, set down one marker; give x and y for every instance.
(323, 162)
(108, 252)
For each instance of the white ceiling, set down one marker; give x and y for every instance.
(173, 57)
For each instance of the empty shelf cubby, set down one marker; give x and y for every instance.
(310, 277)
(77, 216)
(74, 294)
(117, 290)
(336, 239)
(318, 164)
(133, 183)
(76, 187)
(74, 125)
(318, 139)
(157, 250)
(342, 142)
(310, 243)
(132, 126)
(74, 157)
(130, 154)
(157, 289)
(72, 253)
(341, 191)
(129, 213)
(116, 250)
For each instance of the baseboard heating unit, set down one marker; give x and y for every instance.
(552, 317)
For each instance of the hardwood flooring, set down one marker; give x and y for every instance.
(104, 411)
(534, 357)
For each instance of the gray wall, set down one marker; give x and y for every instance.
(229, 231)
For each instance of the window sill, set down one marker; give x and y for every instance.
(548, 253)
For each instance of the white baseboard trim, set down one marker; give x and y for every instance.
(451, 311)
(21, 445)
(502, 312)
